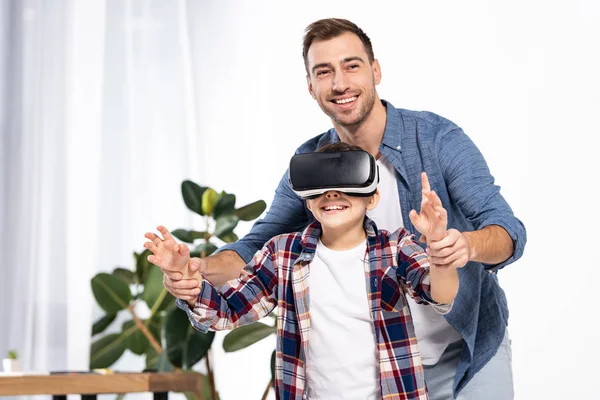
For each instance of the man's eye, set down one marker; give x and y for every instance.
(322, 72)
(353, 66)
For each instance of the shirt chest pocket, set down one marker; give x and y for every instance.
(393, 293)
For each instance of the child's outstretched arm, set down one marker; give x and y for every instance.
(238, 302)
(432, 223)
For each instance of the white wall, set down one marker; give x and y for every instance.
(521, 78)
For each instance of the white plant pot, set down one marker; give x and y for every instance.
(10, 365)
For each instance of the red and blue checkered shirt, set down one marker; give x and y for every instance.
(278, 275)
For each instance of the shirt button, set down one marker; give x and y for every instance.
(398, 147)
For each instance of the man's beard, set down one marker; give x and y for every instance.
(357, 116)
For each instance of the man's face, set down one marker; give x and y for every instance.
(338, 211)
(341, 79)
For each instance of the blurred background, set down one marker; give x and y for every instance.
(106, 106)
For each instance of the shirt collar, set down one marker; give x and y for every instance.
(311, 234)
(393, 127)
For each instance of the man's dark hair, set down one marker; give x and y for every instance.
(339, 146)
(325, 29)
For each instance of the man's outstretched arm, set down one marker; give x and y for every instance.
(498, 237)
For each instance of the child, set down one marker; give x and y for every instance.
(344, 329)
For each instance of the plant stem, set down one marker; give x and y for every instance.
(144, 329)
(266, 393)
(158, 302)
(206, 237)
(211, 376)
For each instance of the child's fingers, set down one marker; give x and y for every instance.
(155, 239)
(150, 246)
(184, 250)
(414, 217)
(434, 198)
(165, 232)
(442, 212)
(425, 181)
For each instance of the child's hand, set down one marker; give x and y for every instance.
(433, 220)
(167, 253)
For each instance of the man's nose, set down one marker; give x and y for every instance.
(341, 82)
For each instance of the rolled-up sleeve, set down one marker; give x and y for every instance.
(471, 186)
(239, 301)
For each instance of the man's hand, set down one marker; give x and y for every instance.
(173, 259)
(433, 219)
(453, 251)
(185, 289)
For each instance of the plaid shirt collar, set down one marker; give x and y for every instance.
(312, 234)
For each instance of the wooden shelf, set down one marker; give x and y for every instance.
(63, 384)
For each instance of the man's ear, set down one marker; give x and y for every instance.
(310, 88)
(373, 201)
(376, 71)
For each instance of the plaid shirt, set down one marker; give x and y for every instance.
(278, 276)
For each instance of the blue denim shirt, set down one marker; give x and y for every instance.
(416, 141)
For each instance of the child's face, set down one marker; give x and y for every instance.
(335, 209)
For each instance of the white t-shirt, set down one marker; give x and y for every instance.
(342, 352)
(433, 332)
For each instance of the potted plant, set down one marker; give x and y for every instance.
(165, 338)
(11, 363)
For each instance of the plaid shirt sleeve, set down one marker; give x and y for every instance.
(240, 301)
(413, 268)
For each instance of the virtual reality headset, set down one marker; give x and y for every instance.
(353, 172)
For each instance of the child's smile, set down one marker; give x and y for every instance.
(334, 208)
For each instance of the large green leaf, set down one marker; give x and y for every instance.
(192, 196)
(209, 199)
(203, 250)
(225, 205)
(225, 224)
(111, 293)
(125, 274)
(273, 355)
(142, 265)
(246, 335)
(198, 345)
(106, 351)
(103, 323)
(189, 236)
(153, 288)
(184, 345)
(152, 357)
(251, 211)
(229, 237)
(135, 340)
(154, 325)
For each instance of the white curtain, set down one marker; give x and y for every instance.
(98, 131)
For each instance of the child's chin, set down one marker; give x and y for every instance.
(331, 222)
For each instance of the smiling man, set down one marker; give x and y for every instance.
(466, 353)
